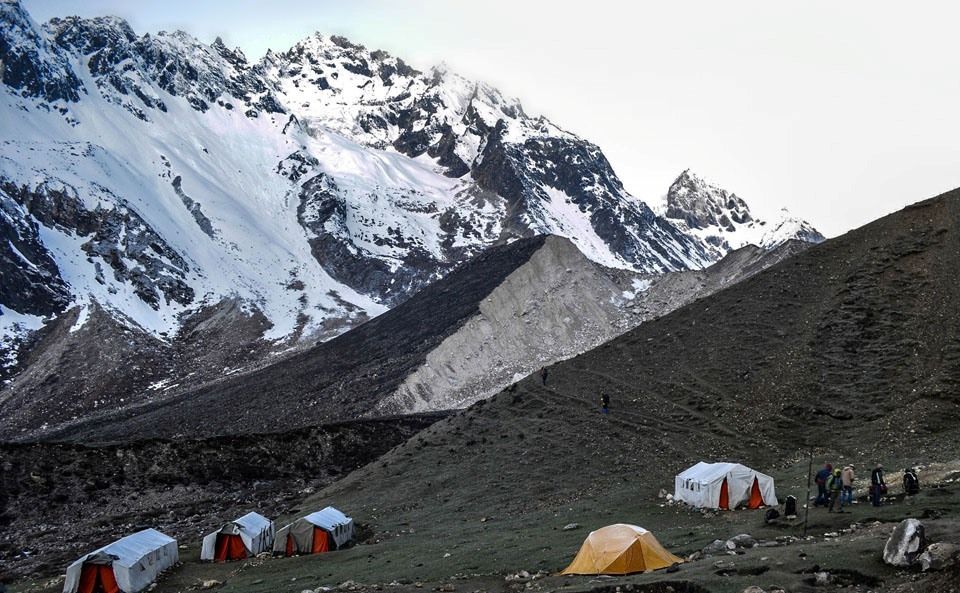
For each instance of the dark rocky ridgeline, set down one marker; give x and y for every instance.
(29, 64)
(122, 64)
(116, 235)
(33, 286)
(520, 172)
(59, 501)
(342, 378)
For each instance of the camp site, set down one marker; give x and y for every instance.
(436, 296)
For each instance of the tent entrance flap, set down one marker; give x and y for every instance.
(756, 497)
(724, 496)
(97, 578)
(321, 543)
(229, 547)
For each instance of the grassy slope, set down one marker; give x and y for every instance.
(846, 347)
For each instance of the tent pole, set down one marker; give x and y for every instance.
(806, 512)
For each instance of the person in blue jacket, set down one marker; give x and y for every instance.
(823, 495)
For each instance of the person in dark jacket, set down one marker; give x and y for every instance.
(604, 403)
(877, 485)
(543, 376)
(823, 497)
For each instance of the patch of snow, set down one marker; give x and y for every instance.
(561, 216)
(640, 285)
(14, 327)
(82, 317)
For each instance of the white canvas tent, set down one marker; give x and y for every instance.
(724, 486)
(324, 530)
(129, 564)
(249, 535)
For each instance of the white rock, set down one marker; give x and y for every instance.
(906, 543)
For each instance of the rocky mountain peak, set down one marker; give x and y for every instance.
(235, 56)
(723, 220)
(703, 205)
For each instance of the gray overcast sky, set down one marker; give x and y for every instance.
(840, 111)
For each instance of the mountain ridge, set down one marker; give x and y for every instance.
(329, 84)
(156, 178)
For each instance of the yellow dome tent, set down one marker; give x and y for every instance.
(620, 549)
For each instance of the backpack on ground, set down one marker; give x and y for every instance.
(911, 483)
(790, 506)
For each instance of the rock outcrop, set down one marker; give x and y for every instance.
(906, 544)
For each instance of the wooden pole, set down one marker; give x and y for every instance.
(806, 514)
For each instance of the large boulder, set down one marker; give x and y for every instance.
(939, 556)
(906, 543)
(717, 546)
(744, 540)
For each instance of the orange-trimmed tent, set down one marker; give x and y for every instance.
(316, 533)
(620, 549)
(247, 536)
(724, 486)
(127, 565)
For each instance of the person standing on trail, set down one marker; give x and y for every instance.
(543, 376)
(823, 498)
(604, 403)
(835, 486)
(878, 486)
(848, 479)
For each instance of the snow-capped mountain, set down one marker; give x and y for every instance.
(723, 222)
(155, 176)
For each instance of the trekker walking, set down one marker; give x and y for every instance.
(835, 485)
(604, 403)
(543, 376)
(878, 486)
(823, 498)
(848, 479)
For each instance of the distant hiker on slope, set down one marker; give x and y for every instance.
(604, 403)
(878, 487)
(848, 479)
(835, 486)
(823, 498)
(543, 376)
